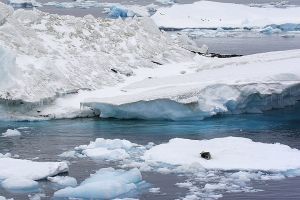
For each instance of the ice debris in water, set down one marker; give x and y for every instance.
(3, 198)
(106, 183)
(103, 149)
(20, 184)
(11, 133)
(234, 164)
(63, 180)
(24, 3)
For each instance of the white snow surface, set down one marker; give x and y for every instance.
(11, 133)
(85, 53)
(230, 153)
(26, 169)
(209, 14)
(106, 183)
(250, 84)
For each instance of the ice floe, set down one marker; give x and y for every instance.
(11, 167)
(103, 149)
(11, 133)
(63, 181)
(106, 183)
(20, 184)
(227, 154)
(235, 163)
(208, 14)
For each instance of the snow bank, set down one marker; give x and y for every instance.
(208, 14)
(63, 180)
(11, 133)
(85, 54)
(229, 153)
(106, 183)
(250, 84)
(27, 169)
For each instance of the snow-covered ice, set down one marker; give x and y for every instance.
(103, 149)
(208, 14)
(63, 180)
(11, 133)
(106, 183)
(96, 51)
(229, 153)
(10, 167)
(249, 84)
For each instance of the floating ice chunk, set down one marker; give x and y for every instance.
(19, 184)
(3, 198)
(37, 196)
(106, 154)
(17, 168)
(63, 180)
(166, 2)
(154, 190)
(106, 149)
(117, 11)
(209, 14)
(230, 153)
(104, 184)
(11, 133)
(7, 155)
(24, 3)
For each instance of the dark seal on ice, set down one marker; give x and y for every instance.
(205, 155)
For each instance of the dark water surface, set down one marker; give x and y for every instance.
(47, 139)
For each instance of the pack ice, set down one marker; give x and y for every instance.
(209, 14)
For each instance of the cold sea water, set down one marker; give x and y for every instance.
(45, 140)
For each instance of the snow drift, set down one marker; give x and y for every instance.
(45, 55)
(208, 14)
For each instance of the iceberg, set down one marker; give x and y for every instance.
(98, 48)
(11, 133)
(217, 86)
(209, 14)
(106, 183)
